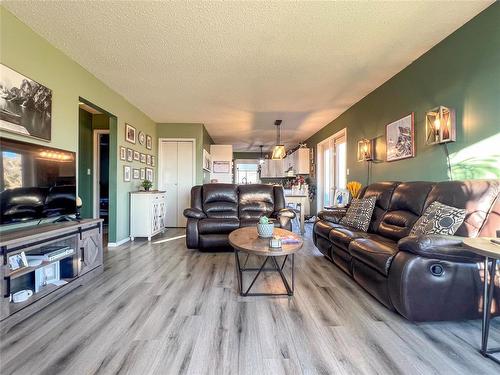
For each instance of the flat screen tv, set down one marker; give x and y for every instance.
(36, 182)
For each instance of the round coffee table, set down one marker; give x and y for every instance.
(247, 240)
(491, 253)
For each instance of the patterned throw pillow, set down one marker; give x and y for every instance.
(359, 213)
(438, 218)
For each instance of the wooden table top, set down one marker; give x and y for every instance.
(483, 246)
(248, 240)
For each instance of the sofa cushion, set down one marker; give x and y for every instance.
(376, 252)
(439, 218)
(342, 236)
(405, 208)
(254, 222)
(323, 228)
(217, 226)
(255, 201)
(220, 201)
(383, 192)
(359, 213)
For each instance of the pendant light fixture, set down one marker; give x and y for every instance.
(261, 160)
(279, 151)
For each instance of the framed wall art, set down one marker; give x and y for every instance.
(149, 174)
(136, 173)
(400, 139)
(25, 105)
(123, 153)
(126, 173)
(130, 133)
(143, 173)
(148, 159)
(130, 155)
(143, 158)
(149, 142)
(137, 156)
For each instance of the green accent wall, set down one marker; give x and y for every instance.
(28, 53)
(190, 130)
(461, 72)
(85, 162)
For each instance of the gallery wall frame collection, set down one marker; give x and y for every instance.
(130, 155)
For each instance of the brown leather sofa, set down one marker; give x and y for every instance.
(423, 278)
(218, 209)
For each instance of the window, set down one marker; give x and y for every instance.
(332, 168)
(247, 171)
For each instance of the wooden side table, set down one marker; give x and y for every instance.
(491, 252)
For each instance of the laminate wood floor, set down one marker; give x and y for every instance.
(162, 309)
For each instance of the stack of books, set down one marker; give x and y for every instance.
(51, 254)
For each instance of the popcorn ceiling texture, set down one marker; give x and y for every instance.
(236, 67)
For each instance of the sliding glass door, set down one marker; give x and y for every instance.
(332, 172)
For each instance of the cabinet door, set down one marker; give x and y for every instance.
(89, 251)
(161, 211)
(302, 161)
(279, 170)
(264, 169)
(155, 216)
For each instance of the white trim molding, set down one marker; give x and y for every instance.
(118, 243)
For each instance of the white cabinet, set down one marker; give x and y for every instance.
(272, 168)
(301, 161)
(147, 213)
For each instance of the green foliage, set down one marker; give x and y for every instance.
(146, 184)
(263, 220)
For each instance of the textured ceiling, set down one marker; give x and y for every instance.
(238, 66)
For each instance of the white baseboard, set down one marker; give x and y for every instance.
(118, 243)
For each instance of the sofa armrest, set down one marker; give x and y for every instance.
(194, 213)
(436, 246)
(333, 216)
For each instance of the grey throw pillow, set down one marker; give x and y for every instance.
(359, 213)
(439, 218)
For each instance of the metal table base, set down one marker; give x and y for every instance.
(275, 267)
(489, 286)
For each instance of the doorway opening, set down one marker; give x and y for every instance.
(332, 168)
(94, 162)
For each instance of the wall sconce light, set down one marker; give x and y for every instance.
(365, 150)
(440, 125)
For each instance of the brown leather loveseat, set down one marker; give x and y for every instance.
(424, 278)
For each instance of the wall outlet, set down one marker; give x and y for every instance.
(347, 172)
(89, 172)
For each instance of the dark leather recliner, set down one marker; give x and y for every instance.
(218, 209)
(424, 278)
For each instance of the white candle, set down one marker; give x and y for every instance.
(79, 202)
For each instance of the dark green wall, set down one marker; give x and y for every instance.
(246, 155)
(461, 72)
(85, 162)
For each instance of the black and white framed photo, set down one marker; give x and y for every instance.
(153, 161)
(149, 142)
(130, 155)
(400, 139)
(130, 133)
(149, 174)
(143, 173)
(136, 173)
(143, 158)
(137, 156)
(148, 159)
(25, 105)
(18, 261)
(126, 173)
(141, 137)
(123, 153)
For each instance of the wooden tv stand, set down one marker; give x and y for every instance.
(84, 261)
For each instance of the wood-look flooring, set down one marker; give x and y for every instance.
(159, 308)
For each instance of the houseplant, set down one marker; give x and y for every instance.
(147, 185)
(265, 228)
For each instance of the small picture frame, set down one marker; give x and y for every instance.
(123, 153)
(130, 155)
(141, 138)
(148, 159)
(149, 142)
(143, 158)
(149, 174)
(137, 155)
(18, 261)
(126, 173)
(136, 173)
(153, 161)
(143, 174)
(130, 133)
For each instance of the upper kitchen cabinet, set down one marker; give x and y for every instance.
(272, 169)
(301, 161)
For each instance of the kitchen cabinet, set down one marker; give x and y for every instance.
(147, 213)
(301, 161)
(272, 169)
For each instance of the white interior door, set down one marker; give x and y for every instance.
(176, 177)
(184, 179)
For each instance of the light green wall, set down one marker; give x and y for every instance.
(461, 72)
(246, 155)
(28, 53)
(187, 130)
